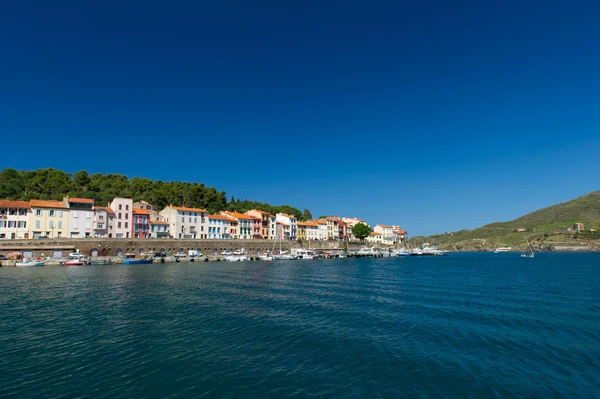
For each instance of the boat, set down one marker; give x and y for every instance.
(236, 258)
(502, 249)
(282, 255)
(528, 254)
(101, 262)
(367, 251)
(75, 259)
(404, 252)
(137, 261)
(266, 257)
(30, 262)
(432, 251)
(304, 254)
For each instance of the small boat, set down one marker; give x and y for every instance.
(265, 257)
(404, 252)
(138, 261)
(528, 254)
(304, 254)
(74, 262)
(75, 259)
(236, 258)
(101, 262)
(29, 263)
(502, 249)
(284, 256)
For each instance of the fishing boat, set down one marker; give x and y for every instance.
(30, 262)
(236, 258)
(304, 254)
(146, 260)
(528, 254)
(75, 259)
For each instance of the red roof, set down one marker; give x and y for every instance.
(219, 217)
(105, 209)
(14, 204)
(138, 211)
(157, 222)
(82, 200)
(184, 209)
(47, 204)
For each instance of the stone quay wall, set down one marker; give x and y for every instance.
(115, 246)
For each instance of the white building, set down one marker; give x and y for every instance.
(375, 237)
(321, 229)
(188, 223)
(81, 217)
(104, 222)
(289, 224)
(273, 227)
(312, 230)
(350, 223)
(14, 216)
(159, 229)
(219, 227)
(387, 233)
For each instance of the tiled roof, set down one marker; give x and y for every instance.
(157, 222)
(385, 226)
(81, 200)
(401, 232)
(47, 204)
(288, 216)
(106, 209)
(237, 215)
(138, 211)
(373, 233)
(184, 209)
(14, 204)
(219, 217)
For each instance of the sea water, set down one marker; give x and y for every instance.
(465, 325)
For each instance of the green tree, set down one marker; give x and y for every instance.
(361, 231)
(306, 215)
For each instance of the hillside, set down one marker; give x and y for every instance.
(541, 225)
(102, 188)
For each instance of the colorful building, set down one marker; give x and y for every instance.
(14, 216)
(141, 223)
(265, 222)
(289, 225)
(104, 221)
(188, 223)
(48, 218)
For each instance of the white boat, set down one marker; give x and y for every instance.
(30, 262)
(265, 257)
(502, 249)
(528, 254)
(236, 258)
(429, 250)
(404, 252)
(366, 251)
(283, 256)
(304, 254)
(227, 252)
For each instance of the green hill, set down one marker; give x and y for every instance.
(547, 224)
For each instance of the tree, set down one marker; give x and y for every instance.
(307, 215)
(361, 231)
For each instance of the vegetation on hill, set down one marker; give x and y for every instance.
(54, 184)
(547, 224)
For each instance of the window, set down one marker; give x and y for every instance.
(58, 234)
(127, 216)
(60, 214)
(12, 211)
(119, 225)
(119, 215)
(51, 213)
(195, 220)
(126, 225)
(22, 224)
(37, 224)
(182, 220)
(2, 223)
(120, 207)
(100, 217)
(38, 212)
(22, 212)
(12, 223)
(100, 225)
(60, 224)
(51, 224)
(190, 220)
(126, 207)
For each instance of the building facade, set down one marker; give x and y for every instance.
(141, 223)
(14, 218)
(289, 224)
(123, 208)
(219, 227)
(265, 222)
(48, 219)
(159, 229)
(81, 217)
(104, 220)
(188, 223)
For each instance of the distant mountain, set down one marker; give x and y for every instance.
(539, 224)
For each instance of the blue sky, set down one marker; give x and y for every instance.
(431, 115)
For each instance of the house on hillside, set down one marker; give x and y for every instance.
(521, 229)
(578, 227)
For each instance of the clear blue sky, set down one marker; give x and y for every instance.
(431, 115)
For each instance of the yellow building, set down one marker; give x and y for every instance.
(301, 230)
(48, 219)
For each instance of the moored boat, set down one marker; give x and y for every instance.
(502, 249)
(30, 262)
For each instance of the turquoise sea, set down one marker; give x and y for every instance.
(461, 326)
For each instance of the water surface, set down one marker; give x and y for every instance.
(466, 325)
